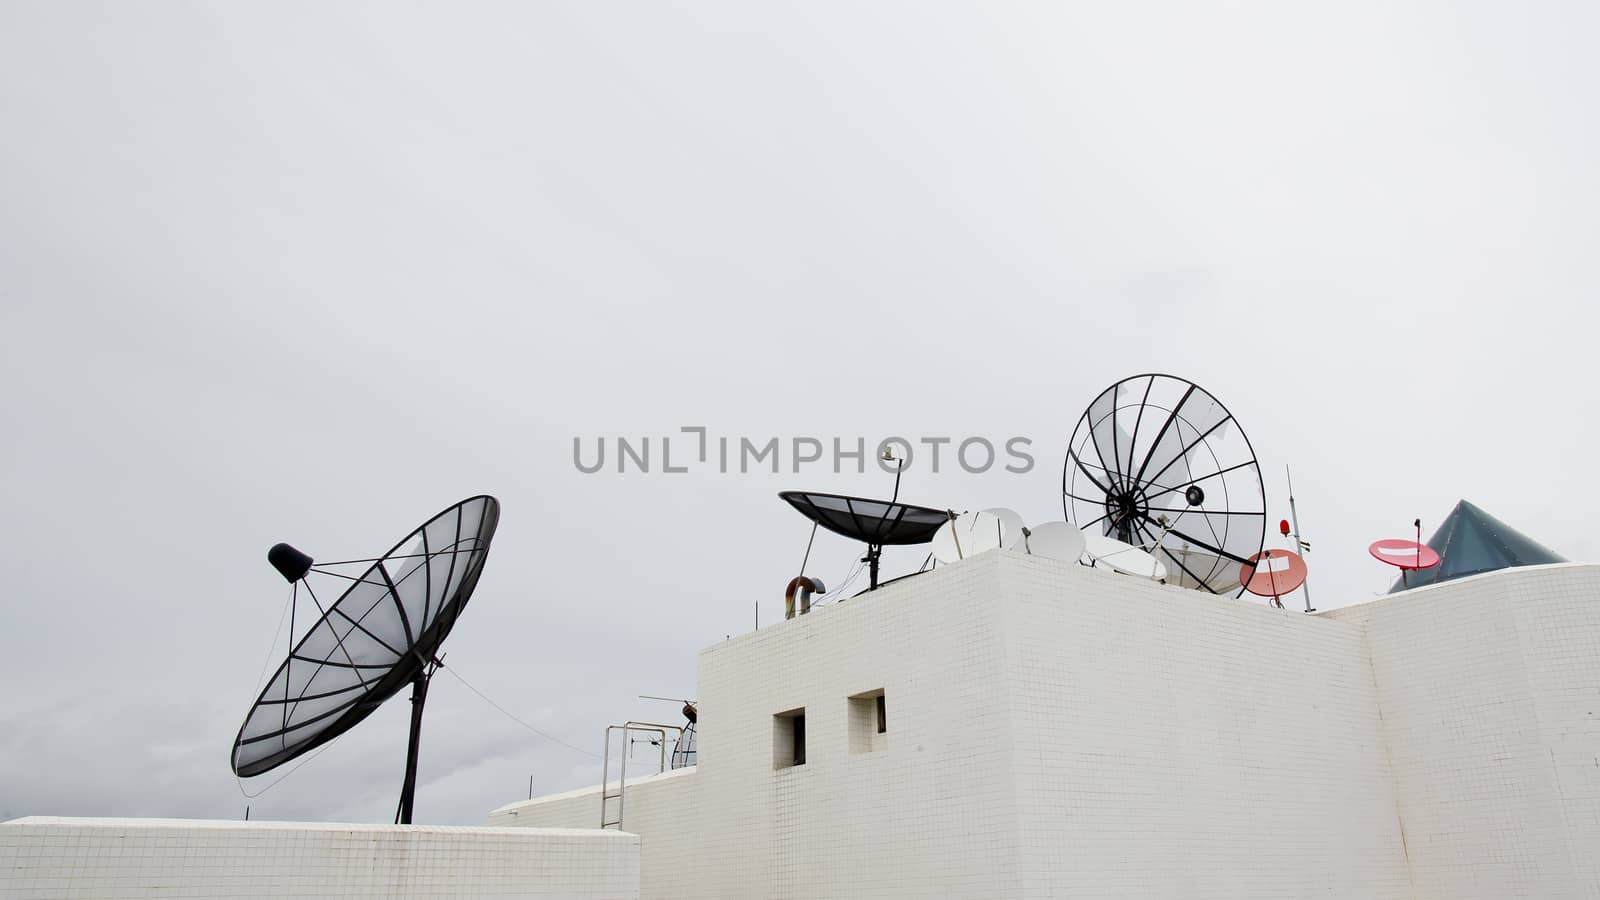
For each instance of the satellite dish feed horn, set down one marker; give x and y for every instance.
(290, 563)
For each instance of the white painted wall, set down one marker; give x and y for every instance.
(1052, 731)
(1169, 743)
(1490, 693)
(661, 809)
(84, 858)
(931, 814)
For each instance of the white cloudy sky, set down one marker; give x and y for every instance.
(311, 272)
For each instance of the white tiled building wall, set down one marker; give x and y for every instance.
(1168, 743)
(94, 858)
(1051, 731)
(1490, 692)
(660, 807)
(933, 813)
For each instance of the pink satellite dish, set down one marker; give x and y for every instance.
(1404, 554)
(1273, 573)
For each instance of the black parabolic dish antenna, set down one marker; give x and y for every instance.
(873, 522)
(380, 635)
(1159, 463)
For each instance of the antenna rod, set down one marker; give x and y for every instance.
(288, 661)
(803, 562)
(1299, 545)
(955, 533)
(873, 552)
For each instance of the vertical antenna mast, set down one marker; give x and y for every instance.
(1300, 545)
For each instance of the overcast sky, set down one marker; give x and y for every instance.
(312, 272)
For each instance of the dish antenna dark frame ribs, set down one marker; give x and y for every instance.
(876, 523)
(383, 633)
(1159, 463)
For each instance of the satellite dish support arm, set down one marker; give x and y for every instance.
(419, 697)
(876, 550)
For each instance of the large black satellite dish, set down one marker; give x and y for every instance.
(875, 523)
(383, 633)
(1159, 463)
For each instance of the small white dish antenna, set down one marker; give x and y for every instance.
(1053, 540)
(967, 535)
(1010, 526)
(1124, 558)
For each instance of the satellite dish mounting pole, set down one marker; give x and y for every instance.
(876, 550)
(419, 696)
(1299, 545)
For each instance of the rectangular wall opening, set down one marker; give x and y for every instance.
(789, 739)
(869, 721)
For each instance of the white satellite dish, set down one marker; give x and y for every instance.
(1124, 558)
(1054, 540)
(967, 535)
(1010, 527)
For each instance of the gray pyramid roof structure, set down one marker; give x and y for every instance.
(1470, 541)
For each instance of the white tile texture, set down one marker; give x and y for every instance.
(1055, 731)
(104, 858)
(1168, 743)
(1060, 732)
(660, 809)
(1490, 692)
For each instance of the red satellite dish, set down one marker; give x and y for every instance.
(1273, 573)
(1404, 554)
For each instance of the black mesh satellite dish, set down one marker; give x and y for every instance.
(1159, 463)
(383, 633)
(875, 523)
(869, 521)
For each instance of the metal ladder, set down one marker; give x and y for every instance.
(628, 729)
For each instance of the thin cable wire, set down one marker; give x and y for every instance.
(850, 575)
(282, 617)
(484, 697)
(837, 594)
(267, 659)
(848, 585)
(280, 778)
